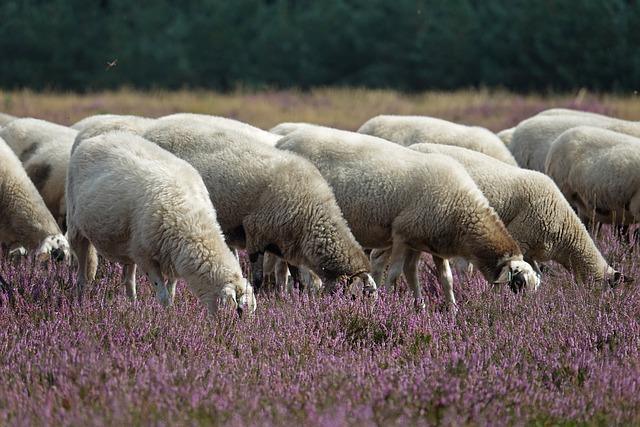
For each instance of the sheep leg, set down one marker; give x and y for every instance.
(295, 276)
(534, 264)
(81, 247)
(446, 279)
(171, 288)
(311, 280)
(257, 261)
(622, 231)
(269, 270)
(129, 280)
(379, 259)
(399, 252)
(282, 275)
(162, 294)
(411, 274)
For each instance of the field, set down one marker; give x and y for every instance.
(569, 355)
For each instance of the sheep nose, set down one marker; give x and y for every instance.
(517, 283)
(57, 254)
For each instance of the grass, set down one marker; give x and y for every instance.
(342, 108)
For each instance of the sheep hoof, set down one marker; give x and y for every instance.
(452, 308)
(419, 305)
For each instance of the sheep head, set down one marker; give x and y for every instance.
(614, 278)
(55, 246)
(519, 275)
(240, 296)
(365, 282)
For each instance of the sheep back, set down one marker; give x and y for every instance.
(409, 130)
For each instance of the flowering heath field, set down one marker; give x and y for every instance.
(568, 355)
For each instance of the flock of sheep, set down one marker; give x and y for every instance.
(177, 197)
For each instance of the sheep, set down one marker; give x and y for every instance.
(102, 123)
(506, 135)
(24, 218)
(598, 171)
(139, 205)
(6, 118)
(394, 198)
(267, 200)
(535, 213)
(408, 130)
(44, 149)
(533, 137)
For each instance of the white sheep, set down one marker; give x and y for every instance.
(140, 205)
(43, 148)
(598, 171)
(535, 213)
(267, 200)
(533, 137)
(408, 130)
(394, 198)
(24, 218)
(6, 118)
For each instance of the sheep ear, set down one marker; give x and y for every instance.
(619, 278)
(229, 294)
(42, 256)
(504, 277)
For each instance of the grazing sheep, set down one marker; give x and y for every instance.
(408, 130)
(598, 171)
(267, 200)
(24, 218)
(6, 118)
(533, 137)
(394, 198)
(535, 213)
(43, 148)
(140, 205)
(506, 135)
(103, 123)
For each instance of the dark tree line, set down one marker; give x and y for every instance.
(409, 45)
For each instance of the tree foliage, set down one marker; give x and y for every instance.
(409, 45)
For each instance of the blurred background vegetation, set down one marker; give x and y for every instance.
(408, 45)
